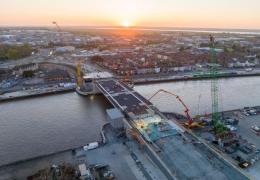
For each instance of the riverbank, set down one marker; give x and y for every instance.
(151, 79)
(21, 170)
(34, 93)
(160, 79)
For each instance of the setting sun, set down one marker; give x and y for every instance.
(126, 23)
(128, 13)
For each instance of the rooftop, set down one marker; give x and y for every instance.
(114, 113)
(98, 75)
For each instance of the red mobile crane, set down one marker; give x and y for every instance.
(190, 122)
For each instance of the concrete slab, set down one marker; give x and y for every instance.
(117, 157)
(188, 162)
(244, 129)
(150, 167)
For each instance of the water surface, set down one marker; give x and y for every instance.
(43, 125)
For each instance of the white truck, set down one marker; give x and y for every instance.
(90, 146)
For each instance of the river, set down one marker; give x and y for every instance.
(234, 93)
(43, 125)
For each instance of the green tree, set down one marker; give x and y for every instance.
(28, 74)
(12, 53)
(15, 51)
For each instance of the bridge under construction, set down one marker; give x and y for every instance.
(177, 153)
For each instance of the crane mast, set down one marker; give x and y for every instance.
(214, 82)
(216, 118)
(79, 78)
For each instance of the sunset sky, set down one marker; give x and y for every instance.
(162, 13)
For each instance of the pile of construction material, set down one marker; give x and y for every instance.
(95, 171)
(101, 171)
(62, 172)
(239, 149)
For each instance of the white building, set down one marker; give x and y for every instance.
(65, 49)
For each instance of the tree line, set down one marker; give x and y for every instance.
(14, 51)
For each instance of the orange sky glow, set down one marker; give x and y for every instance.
(153, 13)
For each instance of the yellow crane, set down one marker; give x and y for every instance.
(79, 76)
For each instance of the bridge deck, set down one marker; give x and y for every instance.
(137, 110)
(123, 97)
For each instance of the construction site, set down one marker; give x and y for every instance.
(233, 135)
(177, 143)
(171, 146)
(141, 142)
(229, 131)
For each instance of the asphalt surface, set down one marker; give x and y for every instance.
(246, 132)
(126, 161)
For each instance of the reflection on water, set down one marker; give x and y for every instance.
(43, 125)
(233, 94)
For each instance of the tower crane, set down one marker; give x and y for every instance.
(190, 122)
(56, 24)
(213, 74)
(78, 64)
(218, 125)
(61, 34)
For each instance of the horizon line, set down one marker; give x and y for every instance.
(135, 27)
